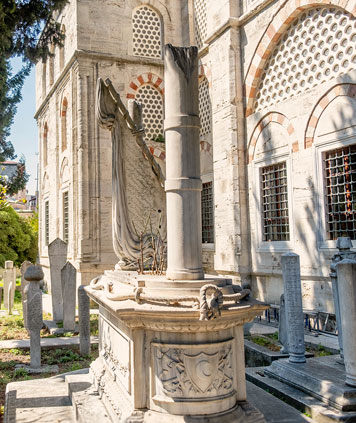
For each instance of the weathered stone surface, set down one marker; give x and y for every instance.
(282, 326)
(293, 307)
(57, 253)
(9, 291)
(84, 321)
(69, 281)
(346, 276)
(24, 283)
(183, 184)
(34, 275)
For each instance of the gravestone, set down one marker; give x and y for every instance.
(69, 280)
(282, 326)
(24, 266)
(293, 307)
(34, 275)
(9, 285)
(84, 321)
(346, 275)
(57, 253)
(344, 245)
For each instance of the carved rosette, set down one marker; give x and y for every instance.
(192, 372)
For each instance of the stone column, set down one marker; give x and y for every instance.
(9, 285)
(183, 183)
(344, 245)
(293, 307)
(346, 275)
(282, 326)
(84, 321)
(24, 266)
(57, 253)
(34, 275)
(69, 282)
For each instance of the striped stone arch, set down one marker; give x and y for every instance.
(271, 117)
(205, 71)
(348, 90)
(145, 78)
(281, 21)
(160, 153)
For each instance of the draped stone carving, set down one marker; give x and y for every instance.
(137, 181)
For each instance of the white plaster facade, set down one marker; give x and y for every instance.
(265, 110)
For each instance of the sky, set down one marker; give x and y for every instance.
(24, 129)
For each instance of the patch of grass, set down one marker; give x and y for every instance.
(273, 336)
(265, 342)
(94, 324)
(20, 373)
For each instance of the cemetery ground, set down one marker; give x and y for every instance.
(12, 328)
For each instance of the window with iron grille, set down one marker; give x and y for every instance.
(340, 192)
(46, 222)
(65, 217)
(207, 209)
(274, 194)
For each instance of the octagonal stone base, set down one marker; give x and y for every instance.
(160, 363)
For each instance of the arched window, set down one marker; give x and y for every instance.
(45, 145)
(204, 108)
(152, 111)
(200, 27)
(61, 50)
(147, 32)
(51, 65)
(64, 123)
(317, 47)
(44, 79)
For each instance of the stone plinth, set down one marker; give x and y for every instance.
(158, 360)
(57, 253)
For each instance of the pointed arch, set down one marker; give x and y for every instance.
(267, 119)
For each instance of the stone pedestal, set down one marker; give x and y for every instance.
(159, 361)
(24, 266)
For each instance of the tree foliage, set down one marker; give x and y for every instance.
(27, 29)
(18, 237)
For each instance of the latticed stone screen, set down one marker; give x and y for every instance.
(146, 33)
(275, 202)
(207, 210)
(340, 192)
(65, 216)
(46, 222)
(204, 108)
(318, 46)
(152, 111)
(200, 27)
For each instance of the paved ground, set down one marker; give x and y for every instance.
(273, 409)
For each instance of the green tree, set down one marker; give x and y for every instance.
(18, 237)
(27, 28)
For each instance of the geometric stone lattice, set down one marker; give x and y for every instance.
(318, 46)
(200, 27)
(204, 108)
(146, 33)
(152, 111)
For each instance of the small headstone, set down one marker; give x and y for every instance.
(57, 253)
(9, 290)
(34, 275)
(346, 275)
(282, 326)
(294, 307)
(24, 283)
(84, 321)
(69, 281)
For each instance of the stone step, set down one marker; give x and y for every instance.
(319, 411)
